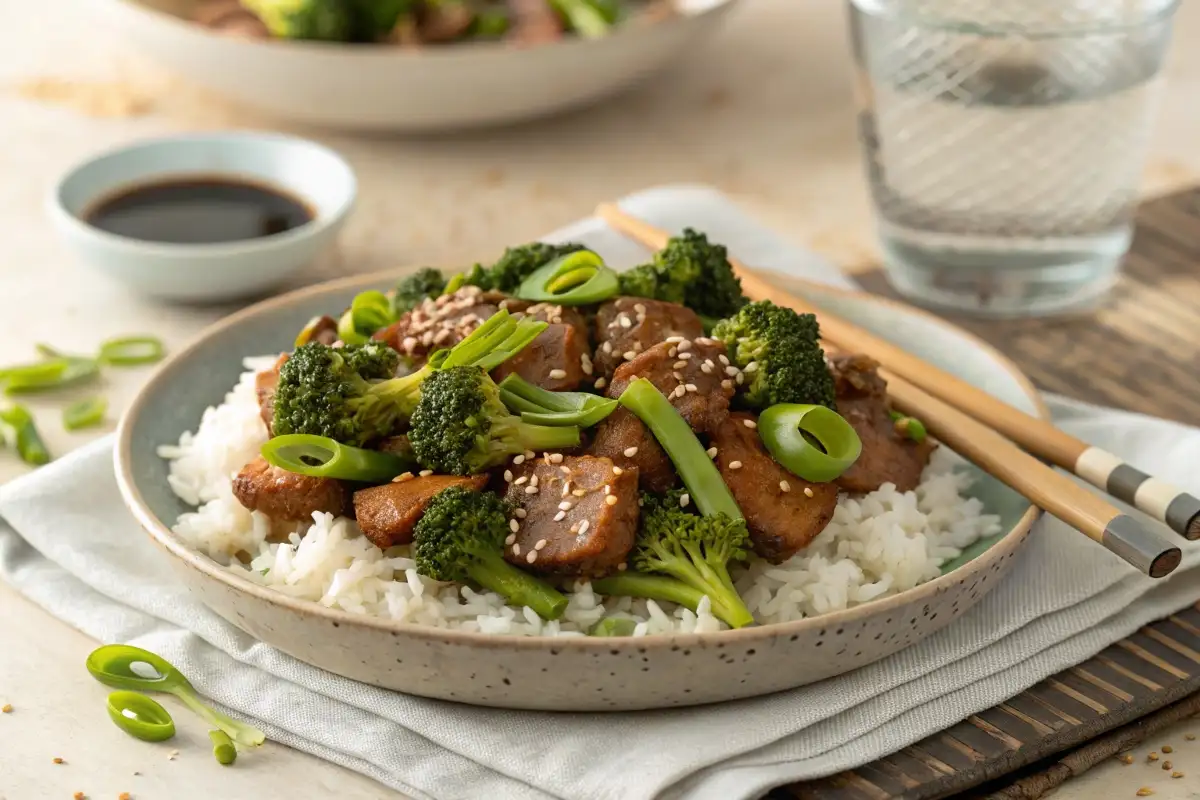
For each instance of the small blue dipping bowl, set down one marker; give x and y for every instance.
(307, 171)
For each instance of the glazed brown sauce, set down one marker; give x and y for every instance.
(199, 211)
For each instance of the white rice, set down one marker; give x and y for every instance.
(877, 544)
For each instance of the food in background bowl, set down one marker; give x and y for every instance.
(423, 22)
(544, 447)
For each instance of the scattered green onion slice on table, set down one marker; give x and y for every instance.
(911, 427)
(30, 446)
(811, 442)
(84, 413)
(55, 373)
(322, 457)
(49, 370)
(129, 351)
(140, 716)
(223, 750)
(576, 279)
(113, 665)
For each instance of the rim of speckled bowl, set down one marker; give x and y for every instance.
(173, 544)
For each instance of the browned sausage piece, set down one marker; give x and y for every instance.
(781, 522)
(622, 432)
(689, 373)
(887, 455)
(633, 324)
(265, 384)
(591, 535)
(283, 495)
(441, 322)
(387, 514)
(555, 360)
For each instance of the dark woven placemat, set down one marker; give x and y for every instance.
(1141, 351)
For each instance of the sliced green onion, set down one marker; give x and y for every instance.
(346, 330)
(811, 442)
(322, 457)
(30, 446)
(613, 626)
(128, 351)
(455, 283)
(911, 427)
(369, 312)
(84, 413)
(525, 331)
(700, 475)
(517, 404)
(576, 279)
(540, 406)
(50, 370)
(56, 373)
(140, 716)
(223, 750)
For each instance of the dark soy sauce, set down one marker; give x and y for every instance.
(199, 211)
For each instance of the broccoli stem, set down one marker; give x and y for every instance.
(703, 576)
(491, 571)
(651, 587)
(699, 474)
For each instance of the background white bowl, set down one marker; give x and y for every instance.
(308, 171)
(365, 87)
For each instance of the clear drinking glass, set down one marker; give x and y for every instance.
(1004, 143)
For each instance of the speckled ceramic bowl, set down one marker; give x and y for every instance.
(577, 674)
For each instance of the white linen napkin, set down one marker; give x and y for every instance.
(69, 544)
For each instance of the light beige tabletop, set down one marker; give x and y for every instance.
(765, 113)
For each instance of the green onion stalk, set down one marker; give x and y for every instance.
(539, 406)
(322, 457)
(576, 279)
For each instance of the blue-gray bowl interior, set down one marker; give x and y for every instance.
(205, 374)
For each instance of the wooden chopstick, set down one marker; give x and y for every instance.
(1107, 472)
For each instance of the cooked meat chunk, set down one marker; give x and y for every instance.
(265, 384)
(622, 432)
(441, 322)
(592, 535)
(557, 359)
(781, 522)
(689, 373)
(283, 495)
(888, 456)
(387, 514)
(633, 324)
(533, 22)
(325, 330)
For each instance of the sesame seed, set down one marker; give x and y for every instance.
(585, 365)
(560, 516)
(712, 452)
(639, 308)
(641, 502)
(514, 526)
(691, 387)
(519, 460)
(1167, 766)
(679, 365)
(540, 544)
(611, 499)
(1176, 774)
(508, 475)
(706, 368)
(533, 480)
(530, 454)
(1145, 791)
(402, 477)
(565, 505)
(565, 470)
(531, 490)
(685, 345)
(566, 490)
(680, 391)
(630, 452)
(735, 465)
(684, 499)
(684, 356)
(558, 374)
(629, 355)
(784, 486)
(625, 322)
(751, 367)
(510, 539)
(677, 376)
(1191, 737)
(749, 423)
(606, 347)
(641, 318)
(601, 382)
(674, 351)
(6, 708)
(441, 336)
(579, 493)
(520, 512)
(808, 492)
(532, 557)
(740, 379)
(1152, 756)
(1166, 748)
(617, 470)
(607, 489)
(731, 371)
(58, 760)
(425, 473)
(709, 362)
(516, 549)
(409, 343)
(583, 526)
(1126, 759)
(622, 567)
(575, 528)
(427, 338)
(520, 480)
(726, 384)
(723, 359)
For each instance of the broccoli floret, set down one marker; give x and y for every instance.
(460, 538)
(426, 282)
(681, 556)
(375, 19)
(691, 271)
(325, 20)
(786, 347)
(461, 427)
(518, 263)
